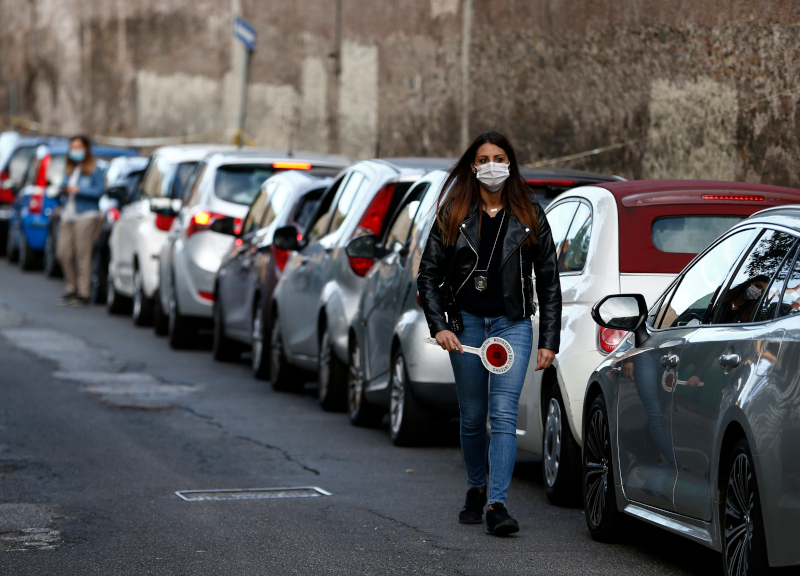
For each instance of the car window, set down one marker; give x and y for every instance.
(178, 179)
(19, 163)
(575, 247)
(240, 184)
(425, 213)
(400, 228)
(560, 217)
(306, 206)
(255, 214)
(280, 193)
(772, 297)
(790, 300)
(699, 286)
(56, 168)
(319, 222)
(346, 200)
(154, 177)
(192, 198)
(689, 234)
(740, 301)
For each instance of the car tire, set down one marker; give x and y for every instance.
(179, 328)
(285, 377)
(260, 349)
(223, 348)
(744, 544)
(12, 252)
(28, 258)
(160, 320)
(331, 377)
(142, 311)
(561, 454)
(361, 412)
(116, 303)
(52, 267)
(99, 287)
(599, 497)
(410, 422)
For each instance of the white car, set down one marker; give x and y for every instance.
(611, 238)
(214, 205)
(137, 236)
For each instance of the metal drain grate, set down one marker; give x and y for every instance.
(252, 493)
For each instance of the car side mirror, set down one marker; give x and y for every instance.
(362, 247)
(285, 238)
(118, 193)
(164, 206)
(226, 225)
(623, 312)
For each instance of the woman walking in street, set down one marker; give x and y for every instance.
(80, 219)
(475, 282)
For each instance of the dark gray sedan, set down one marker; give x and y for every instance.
(693, 422)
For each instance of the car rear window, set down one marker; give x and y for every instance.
(240, 184)
(689, 234)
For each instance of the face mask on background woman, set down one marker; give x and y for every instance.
(77, 155)
(492, 175)
(753, 292)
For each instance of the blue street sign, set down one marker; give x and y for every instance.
(244, 32)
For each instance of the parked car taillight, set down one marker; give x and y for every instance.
(6, 194)
(35, 203)
(202, 220)
(609, 338)
(164, 222)
(112, 215)
(281, 257)
(371, 221)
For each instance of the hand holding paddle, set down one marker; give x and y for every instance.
(495, 353)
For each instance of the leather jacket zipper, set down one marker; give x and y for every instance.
(527, 233)
(461, 229)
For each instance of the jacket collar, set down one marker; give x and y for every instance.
(516, 232)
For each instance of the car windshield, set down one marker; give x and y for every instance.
(19, 163)
(240, 184)
(55, 171)
(689, 234)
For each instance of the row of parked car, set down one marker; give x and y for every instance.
(673, 414)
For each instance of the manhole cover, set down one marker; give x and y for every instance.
(252, 493)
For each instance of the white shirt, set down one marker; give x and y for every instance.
(70, 213)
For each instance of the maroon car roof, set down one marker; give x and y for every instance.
(640, 202)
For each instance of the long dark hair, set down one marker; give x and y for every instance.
(461, 191)
(88, 161)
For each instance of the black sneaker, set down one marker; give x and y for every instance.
(66, 299)
(80, 302)
(473, 507)
(498, 522)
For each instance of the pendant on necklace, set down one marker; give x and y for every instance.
(493, 209)
(481, 283)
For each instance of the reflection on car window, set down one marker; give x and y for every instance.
(306, 206)
(240, 184)
(689, 234)
(349, 194)
(19, 163)
(56, 168)
(401, 227)
(769, 304)
(279, 194)
(193, 196)
(740, 301)
(151, 186)
(560, 217)
(180, 178)
(256, 212)
(701, 283)
(790, 301)
(322, 214)
(573, 250)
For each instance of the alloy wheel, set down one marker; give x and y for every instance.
(740, 504)
(258, 337)
(398, 395)
(137, 293)
(598, 457)
(552, 442)
(355, 381)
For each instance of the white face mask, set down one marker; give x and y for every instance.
(492, 175)
(753, 292)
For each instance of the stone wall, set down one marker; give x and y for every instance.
(699, 89)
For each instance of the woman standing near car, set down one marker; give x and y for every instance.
(475, 282)
(80, 219)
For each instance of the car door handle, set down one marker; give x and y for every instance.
(304, 260)
(729, 360)
(616, 370)
(669, 360)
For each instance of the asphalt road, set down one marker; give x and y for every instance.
(101, 423)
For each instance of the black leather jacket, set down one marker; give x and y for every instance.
(437, 288)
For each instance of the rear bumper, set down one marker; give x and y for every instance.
(35, 228)
(196, 267)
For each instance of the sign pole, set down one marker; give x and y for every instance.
(243, 100)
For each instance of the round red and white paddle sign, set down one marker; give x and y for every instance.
(497, 355)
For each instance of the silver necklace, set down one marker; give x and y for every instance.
(482, 280)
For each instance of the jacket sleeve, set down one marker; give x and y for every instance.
(95, 190)
(548, 286)
(432, 271)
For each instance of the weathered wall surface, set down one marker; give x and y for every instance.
(703, 89)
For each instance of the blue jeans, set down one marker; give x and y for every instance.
(480, 393)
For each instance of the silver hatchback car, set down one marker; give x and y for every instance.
(692, 423)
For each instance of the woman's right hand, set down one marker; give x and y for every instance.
(448, 341)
